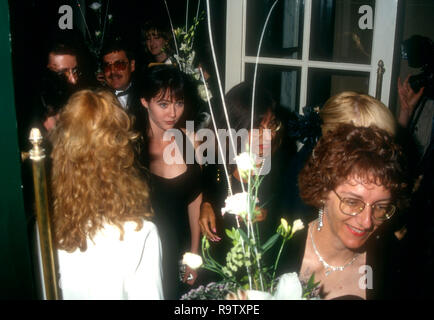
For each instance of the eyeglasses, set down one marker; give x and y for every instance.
(352, 207)
(67, 72)
(273, 125)
(118, 65)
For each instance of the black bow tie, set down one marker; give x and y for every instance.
(123, 93)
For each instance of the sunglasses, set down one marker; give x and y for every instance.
(118, 65)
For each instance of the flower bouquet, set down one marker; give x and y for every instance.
(245, 275)
(184, 57)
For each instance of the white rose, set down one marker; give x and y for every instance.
(202, 92)
(237, 204)
(289, 288)
(192, 260)
(95, 6)
(258, 295)
(245, 162)
(297, 225)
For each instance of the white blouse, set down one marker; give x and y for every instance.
(111, 269)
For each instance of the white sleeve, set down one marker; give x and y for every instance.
(145, 283)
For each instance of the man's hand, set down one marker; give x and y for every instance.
(408, 100)
(207, 222)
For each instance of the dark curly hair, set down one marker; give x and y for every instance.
(368, 153)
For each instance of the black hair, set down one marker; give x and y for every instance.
(71, 42)
(239, 105)
(117, 44)
(156, 81)
(62, 49)
(60, 43)
(163, 79)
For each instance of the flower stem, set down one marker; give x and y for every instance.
(277, 262)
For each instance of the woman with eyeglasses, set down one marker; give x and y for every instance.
(345, 107)
(355, 178)
(271, 158)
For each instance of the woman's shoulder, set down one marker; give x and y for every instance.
(148, 228)
(132, 234)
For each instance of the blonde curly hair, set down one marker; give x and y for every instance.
(94, 179)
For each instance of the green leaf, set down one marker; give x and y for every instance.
(270, 242)
(311, 284)
(229, 233)
(244, 235)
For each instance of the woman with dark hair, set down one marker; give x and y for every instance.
(271, 155)
(176, 191)
(355, 178)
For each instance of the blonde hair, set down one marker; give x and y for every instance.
(356, 108)
(94, 180)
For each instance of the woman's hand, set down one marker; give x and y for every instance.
(261, 216)
(207, 222)
(408, 100)
(190, 276)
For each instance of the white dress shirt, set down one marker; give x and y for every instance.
(122, 96)
(111, 269)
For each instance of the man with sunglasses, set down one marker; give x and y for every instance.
(118, 67)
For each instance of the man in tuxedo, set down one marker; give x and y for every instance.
(118, 66)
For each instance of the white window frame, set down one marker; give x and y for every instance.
(382, 49)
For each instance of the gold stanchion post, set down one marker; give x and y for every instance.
(379, 86)
(37, 155)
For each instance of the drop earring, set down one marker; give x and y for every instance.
(320, 216)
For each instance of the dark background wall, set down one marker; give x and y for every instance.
(33, 23)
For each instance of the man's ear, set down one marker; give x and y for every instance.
(133, 65)
(144, 103)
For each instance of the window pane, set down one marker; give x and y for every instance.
(282, 82)
(284, 34)
(322, 84)
(336, 34)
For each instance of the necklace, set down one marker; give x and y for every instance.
(328, 268)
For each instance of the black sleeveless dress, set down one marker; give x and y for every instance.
(170, 199)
